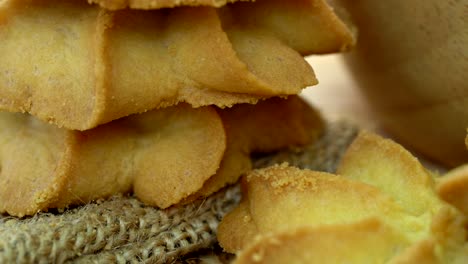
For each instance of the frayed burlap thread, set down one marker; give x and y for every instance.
(124, 230)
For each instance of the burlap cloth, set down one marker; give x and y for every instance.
(124, 230)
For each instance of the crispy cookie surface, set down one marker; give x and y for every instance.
(164, 156)
(382, 198)
(47, 167)
(78, 65)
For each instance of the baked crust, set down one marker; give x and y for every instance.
(165, 156)
(79, 66)
(381, 200)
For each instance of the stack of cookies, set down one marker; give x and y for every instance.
(166, 103)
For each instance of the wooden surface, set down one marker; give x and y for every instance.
(337, 95)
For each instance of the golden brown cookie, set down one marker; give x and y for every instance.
(453, 188)
(165, 156)
(43, 166)
(382, 198)
(78, 65)
(328, 244)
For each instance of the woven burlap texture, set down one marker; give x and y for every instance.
(124, 230)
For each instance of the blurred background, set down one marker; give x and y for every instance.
(411, 62)
(337, 95)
